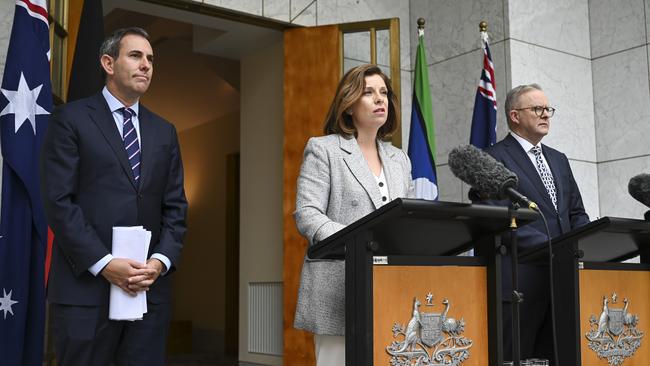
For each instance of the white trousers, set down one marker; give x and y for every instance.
(330, 350)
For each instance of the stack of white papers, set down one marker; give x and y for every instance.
(133, 243)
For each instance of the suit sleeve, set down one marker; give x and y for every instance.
(408, 177)
(312, 195)
(577, 213)
(59, 169)
(174, 208)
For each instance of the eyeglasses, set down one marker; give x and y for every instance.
(539, 110)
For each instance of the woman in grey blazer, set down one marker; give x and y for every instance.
(345, 175)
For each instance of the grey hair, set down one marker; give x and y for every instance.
(111, 45)
(513, 97)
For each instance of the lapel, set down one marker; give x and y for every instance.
(392, 171)
(522, 160)
(103, 118)
(147, 137)
(554, 166)
(359, 168)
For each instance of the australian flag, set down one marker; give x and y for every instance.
(25, 103)
(484, 120)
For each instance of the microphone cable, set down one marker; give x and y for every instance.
(551, 287)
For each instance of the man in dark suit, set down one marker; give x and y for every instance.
(108, 161)
(546, 178)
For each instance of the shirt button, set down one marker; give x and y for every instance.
(384, 198)
(381, 184)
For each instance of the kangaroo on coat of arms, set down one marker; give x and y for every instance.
(430, 339)
(614, 335)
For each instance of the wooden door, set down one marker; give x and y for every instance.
(312, 67)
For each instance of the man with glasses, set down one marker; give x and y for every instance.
(546, 178)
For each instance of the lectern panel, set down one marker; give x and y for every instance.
(614, 316)
(424, 311)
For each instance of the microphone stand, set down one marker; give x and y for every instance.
(517, 297)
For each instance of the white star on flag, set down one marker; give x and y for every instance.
(22, 103)
(6, 302)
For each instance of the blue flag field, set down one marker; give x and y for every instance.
(25, 104)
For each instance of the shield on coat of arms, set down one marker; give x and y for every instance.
(431, 332)
(615, 322)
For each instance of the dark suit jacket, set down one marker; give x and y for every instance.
(570, 213)
(88, 188)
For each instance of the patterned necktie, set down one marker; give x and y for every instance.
(545, 174)
(131, 144)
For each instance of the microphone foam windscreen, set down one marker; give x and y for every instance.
(639, 188)
(480, 170)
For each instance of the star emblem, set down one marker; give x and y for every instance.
(22, 103)
(6, 302)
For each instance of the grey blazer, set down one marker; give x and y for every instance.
(335, 188)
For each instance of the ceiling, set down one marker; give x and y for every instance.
(196, 73)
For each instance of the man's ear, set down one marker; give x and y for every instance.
(514, 117)
(107, 63)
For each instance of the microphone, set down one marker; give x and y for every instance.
(639, 189)
(486, 175)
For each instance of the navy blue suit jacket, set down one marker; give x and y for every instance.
(570, 213)
(88, 188)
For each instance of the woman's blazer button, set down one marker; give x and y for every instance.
(355, 203)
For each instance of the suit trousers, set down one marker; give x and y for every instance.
(83, 335)
(330, 350)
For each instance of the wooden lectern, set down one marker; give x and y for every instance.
(602, 306)
(409, 297)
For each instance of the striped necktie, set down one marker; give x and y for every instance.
(545, 174)
(131, 144)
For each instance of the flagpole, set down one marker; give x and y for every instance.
(517, 297)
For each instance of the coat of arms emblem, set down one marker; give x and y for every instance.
(429, 339)
(614, 335)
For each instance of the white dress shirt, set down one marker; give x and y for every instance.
(528, 147)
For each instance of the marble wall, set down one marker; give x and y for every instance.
(455, 61)
(549, 46)
(619, 48)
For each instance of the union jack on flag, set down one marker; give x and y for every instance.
(484, 120)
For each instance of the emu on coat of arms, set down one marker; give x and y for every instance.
(430, 339)
(614, 335)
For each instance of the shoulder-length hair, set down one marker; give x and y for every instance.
(348, 92)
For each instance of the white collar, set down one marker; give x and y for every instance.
(525, 144)
(114, 104)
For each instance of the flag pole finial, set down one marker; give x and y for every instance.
(421, 23)
(483, 26)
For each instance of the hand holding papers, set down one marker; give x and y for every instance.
(133, 243)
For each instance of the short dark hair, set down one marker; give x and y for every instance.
(348, 92)
(111, 45)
